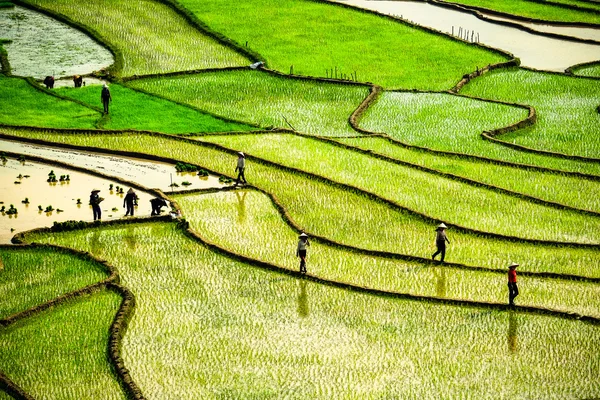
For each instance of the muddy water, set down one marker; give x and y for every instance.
(150, 174)
(43, 46)
(68, 82)
(59, 195)
(573, 31)
(535, 51)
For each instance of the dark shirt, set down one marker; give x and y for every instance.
(512, 276)
(105, 94)
(94, 198)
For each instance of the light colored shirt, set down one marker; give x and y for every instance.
(441, 237)
(302, 244)
(241, 162)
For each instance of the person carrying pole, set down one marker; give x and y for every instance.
(513, 290)
(440, 241)
(303, 243)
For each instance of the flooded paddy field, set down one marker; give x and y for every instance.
(41, 46)
(535, 51)
(151, 174)
(27, 180)
(220, 308)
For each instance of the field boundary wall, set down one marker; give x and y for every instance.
(346, 187)
(519, 17)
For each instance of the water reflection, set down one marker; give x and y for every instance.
(302, 299)
(95, 245)
(68, 201)
(148, 173)
(241, 206)
(512, 332)
(66, 50)
(441, 282)
(129, 237)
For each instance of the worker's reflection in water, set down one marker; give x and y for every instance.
(302, 299)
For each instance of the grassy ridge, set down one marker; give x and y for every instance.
(439, 197)
(256, 97)
(247, 223)
(131, 26)
(314, 37)
(135, 110)
(266, 335)
(35, 276)
(591, 70)
(24, 105)
(567, 118)
(529, 9)
(569, 190)
(61, 353)
(340, 215)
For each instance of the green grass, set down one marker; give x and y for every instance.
(231, 331)
(314, 37)
(569, 190)
(134, 110)
(256, 97)
(348, 217)
(579, 3)
(34, 276)
(566, 106)
(247, 223)
(131, 26)
(529, 9)
(449, 123)
(590, 70)
(438, 197)
(24, 105)
(62, 353)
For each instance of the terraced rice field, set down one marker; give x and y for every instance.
(209, 303)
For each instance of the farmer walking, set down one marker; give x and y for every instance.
(105, 97)
(241, 166)
(129, 202)
(440, 241)
(303, 243)
(513, 290)
(95, 201)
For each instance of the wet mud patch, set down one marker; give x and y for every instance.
(151, 174)
(40, 203)
(40, 46)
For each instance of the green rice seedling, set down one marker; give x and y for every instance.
(266, 100)
(135, 110)
(24, 105)
(34, 276)
(441, 198)
(61, 352)
(246, 223)
(589, 70)
(566, 107)
(348, 217)
(544, 10)
(131, 28)
(449, 123)
(588, 5)
(316, 37)
(229, 330)
(564, 189)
